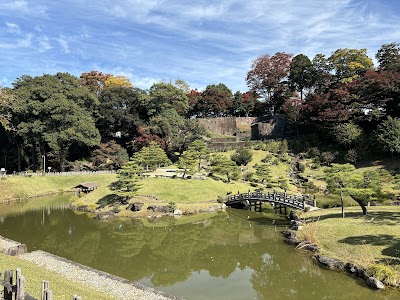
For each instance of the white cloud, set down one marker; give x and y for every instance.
(24, 7)
(44, 44)
(24, 42)
(63, 42)
(13, 28)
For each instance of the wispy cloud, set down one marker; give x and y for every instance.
(13, 28)
(202, 42)
(44, 44)
(63, 42)
(32, 8)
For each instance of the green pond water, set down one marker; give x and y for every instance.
(233, 255)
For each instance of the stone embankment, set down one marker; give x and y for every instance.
(104, 282)
(327, 262)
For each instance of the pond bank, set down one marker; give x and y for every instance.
(101, 281)
(364, 246)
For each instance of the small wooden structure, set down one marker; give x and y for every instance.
(17, 291)
(86, 187)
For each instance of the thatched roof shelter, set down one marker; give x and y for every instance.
(86, 187)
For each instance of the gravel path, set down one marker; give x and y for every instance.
(101, 281)
(6, 243)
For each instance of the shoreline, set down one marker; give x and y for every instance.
(104, 282)
(330, 262)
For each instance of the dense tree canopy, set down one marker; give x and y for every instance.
(338, 99)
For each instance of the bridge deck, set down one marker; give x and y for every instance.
(294, 201)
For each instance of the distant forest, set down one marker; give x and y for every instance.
(99, 120)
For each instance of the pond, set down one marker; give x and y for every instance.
(233, 255)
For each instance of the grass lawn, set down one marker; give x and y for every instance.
(62, 288)
(19, 186)
(357, 238)
(188, 191)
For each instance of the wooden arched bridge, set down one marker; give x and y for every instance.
(279, 200)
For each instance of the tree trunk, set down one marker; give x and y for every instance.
(63, 158)
(361, 203)
(19, 156)
(33, 153)
(341, 202)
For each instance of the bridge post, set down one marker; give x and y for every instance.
(274, 200)
(315, 202)
(285, 210)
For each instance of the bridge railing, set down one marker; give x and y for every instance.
(298, 201)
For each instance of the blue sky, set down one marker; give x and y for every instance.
(202, 42)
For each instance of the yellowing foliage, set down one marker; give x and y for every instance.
(117, 81)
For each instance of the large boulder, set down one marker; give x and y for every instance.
(375, 283)
(178, 212)
(308, 246)
(160, 208)
(136, 206)
(356, 270)
(293, 215)
(105, 215)
(331, 263)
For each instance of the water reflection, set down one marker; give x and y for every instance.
(225, 257)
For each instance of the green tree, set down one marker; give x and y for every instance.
(263, 171)
(188, 162)
(347, 134)
(242, 156)
(120, 113)
(54, 111)
(6, 101)
(127, 184)
(199, 147)
(350, 64)
(321, 73)
(153, 156)
(388, 57)
(223, 165)
(301, 74)
(388, 135)
(361, 187)
(164, 96)
(67, 124)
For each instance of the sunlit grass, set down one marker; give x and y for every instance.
(357, 238)
(38, 185)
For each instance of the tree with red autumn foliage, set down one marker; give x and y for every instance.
(267, 77)
(94, 81)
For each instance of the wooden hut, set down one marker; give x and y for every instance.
(86, 187)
